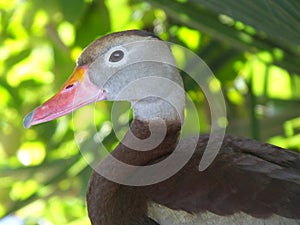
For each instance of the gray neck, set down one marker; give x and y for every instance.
(153, 108)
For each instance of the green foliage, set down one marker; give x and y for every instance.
(251, 46)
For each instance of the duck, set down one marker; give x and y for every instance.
(247, 182)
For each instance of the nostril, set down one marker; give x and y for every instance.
(69, 86)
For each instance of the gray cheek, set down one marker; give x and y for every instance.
(100, 74)
(129, 79)
(114, 84)
(121, 79)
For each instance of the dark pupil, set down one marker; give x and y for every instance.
(116, 56)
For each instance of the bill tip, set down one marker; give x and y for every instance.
(27, 120)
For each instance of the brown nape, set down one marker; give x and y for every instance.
(247, 176)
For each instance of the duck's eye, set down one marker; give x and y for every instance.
(116, 56)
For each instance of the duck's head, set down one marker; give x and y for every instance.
(133, 66)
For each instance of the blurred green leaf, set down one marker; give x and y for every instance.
(95, 22)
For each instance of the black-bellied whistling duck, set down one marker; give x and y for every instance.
(247, 183)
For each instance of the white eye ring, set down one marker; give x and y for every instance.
(116, 56)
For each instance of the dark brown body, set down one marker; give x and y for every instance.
(246, 176)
